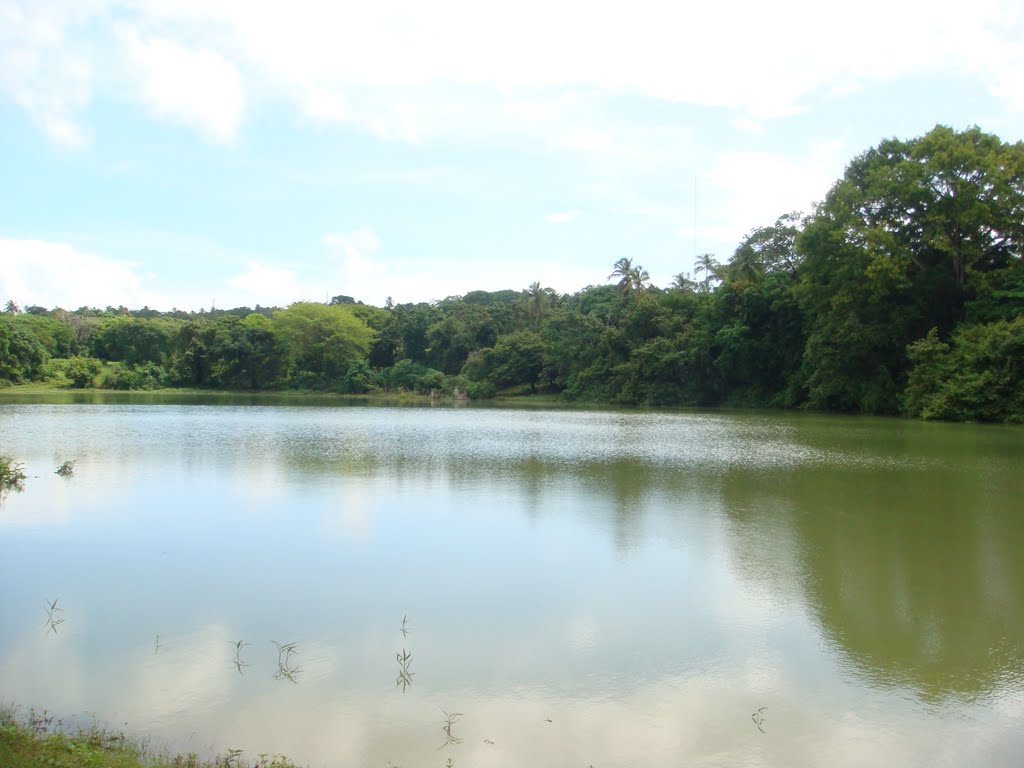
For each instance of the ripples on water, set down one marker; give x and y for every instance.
(586, 587)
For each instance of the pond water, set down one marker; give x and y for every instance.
(575, 587)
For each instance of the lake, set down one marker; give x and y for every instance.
(374, 586)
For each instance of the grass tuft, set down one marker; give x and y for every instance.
(37, 742)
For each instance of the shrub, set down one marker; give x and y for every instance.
(145, 376)
(82, 371)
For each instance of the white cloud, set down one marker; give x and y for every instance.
(760, 59)
(561, 217)
(266, 285)
(357, 249)
(56, 274)
(357, 63)
(47, 75)
(414, 279)
(196, 86)
(748, 126)
(752, 189)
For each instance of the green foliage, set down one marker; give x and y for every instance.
(37, 744)
(57, 338)
(360, 379)
(930, 360)
(321, 342)
(134, 341)
(22, 355)
(831, 312)
(895, 249)
(978, 377)
(82, 371)
(413, 322)
(516, 358)
(145, 376)
(413, 377)
(191, 363)
(245, 353)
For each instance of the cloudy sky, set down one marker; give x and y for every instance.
(186, 152)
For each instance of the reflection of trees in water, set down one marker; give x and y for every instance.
(914, 574)
(910, 566)
(618, 490)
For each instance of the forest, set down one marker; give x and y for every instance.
(902, 293)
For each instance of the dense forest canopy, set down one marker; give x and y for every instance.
(903, 292)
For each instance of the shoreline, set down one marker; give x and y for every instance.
(38, 740)
(26, 393)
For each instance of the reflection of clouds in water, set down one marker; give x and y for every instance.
(47, 499)
(186, 674)
(582, 634)
(36, 664)
(696, 719)
(263, 482)
(350, 514)
(653, 659)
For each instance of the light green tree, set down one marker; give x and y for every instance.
(322, 341)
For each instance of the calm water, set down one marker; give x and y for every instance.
(605, 588)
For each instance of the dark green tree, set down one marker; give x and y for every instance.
(898, 247)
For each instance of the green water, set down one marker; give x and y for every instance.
(585, 587)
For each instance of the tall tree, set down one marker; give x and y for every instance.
(746, 265)
(631, 277)
(537, 300)
(775, 246)
(712, 270)
(639, 278)
(322, 341)
(899, 245)
(623, 269)
(683, 282)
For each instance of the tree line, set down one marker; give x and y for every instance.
(901, 293)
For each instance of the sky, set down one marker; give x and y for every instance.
(196, 153)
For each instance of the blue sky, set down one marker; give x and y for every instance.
(178, 153)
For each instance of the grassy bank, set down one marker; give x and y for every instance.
(37, 741)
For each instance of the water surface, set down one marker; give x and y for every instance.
(584, 587)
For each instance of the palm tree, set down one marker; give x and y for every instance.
(683, 282)
(746, 265)
(12, 308)
(537, 300)
(638, 278)
(630, 278)
(712, 270)
(623, 269)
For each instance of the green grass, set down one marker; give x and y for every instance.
(35, 742)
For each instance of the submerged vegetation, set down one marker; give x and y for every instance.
(54, 616)
(903, 292)
(12, 476)
(286, 668)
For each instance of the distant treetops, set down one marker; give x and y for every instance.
(903, 292)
